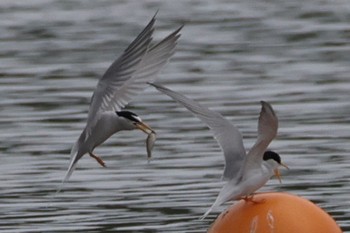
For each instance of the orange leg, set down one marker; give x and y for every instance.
(249, 198)
(98, 159)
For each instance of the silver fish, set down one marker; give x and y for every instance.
(150, 143)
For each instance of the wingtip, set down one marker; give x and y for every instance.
(155, 14)
(151, 22)
(180, 28)
(267, 106)
(157, 86)
(175, 35)
(155, 17)
(264, 103)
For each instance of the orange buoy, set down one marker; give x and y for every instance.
(274, 213)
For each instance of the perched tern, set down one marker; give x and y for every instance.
(123, 80)
(244, 173)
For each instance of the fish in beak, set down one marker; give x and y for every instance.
(278, 173)
(150, 139)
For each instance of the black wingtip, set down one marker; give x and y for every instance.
(154, 16)
(267, 106)
(175, 34)
(182, 25)
(153, 85)
(179, 29)
(157, 86)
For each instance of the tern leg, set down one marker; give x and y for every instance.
(98, 159)
(249, 198)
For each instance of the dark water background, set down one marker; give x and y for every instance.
(232, 54)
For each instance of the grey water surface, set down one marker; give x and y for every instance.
(232, 54)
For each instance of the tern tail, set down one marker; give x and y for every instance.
(206, 213)
(68, 175)
(215, 204)
(227, 193)
(73, 164)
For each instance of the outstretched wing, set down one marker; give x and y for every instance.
(152, 62)
(227, 135)
(129, 74)
(267, 131)
(119, 72)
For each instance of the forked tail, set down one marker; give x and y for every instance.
(68, 174)
(215, 204)
(226, 193)
(71, 168)
(206, 213)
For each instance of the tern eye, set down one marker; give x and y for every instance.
(130, 116)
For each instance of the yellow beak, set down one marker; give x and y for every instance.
(283, 165)
(144, 127)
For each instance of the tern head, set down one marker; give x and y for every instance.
(133, 121)
(275, 159)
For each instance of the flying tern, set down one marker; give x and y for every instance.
(123, 80)
(244, 173)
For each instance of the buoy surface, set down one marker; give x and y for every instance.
(274, 213)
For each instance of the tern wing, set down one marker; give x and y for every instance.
(227, 135)
(267, 131)
(152, 62)
(118, 73)
(129, 74)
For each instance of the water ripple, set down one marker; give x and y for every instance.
(231, 55)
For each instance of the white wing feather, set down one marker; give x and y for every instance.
(227, 135)
(146, 71)
(118, 73)
(128, 75)
(267, 131)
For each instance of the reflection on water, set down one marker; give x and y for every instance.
(231, 55)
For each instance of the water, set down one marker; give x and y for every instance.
(294, 54)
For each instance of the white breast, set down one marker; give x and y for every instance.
(257, 178)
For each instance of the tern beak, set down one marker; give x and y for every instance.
(144, 127)
(283, 165)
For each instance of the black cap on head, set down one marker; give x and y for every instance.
(272, 155)
(129, 115)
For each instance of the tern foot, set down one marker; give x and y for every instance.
(249, 198)
(98, 159)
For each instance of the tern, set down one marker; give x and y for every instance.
(244, 173)
(123, 80)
